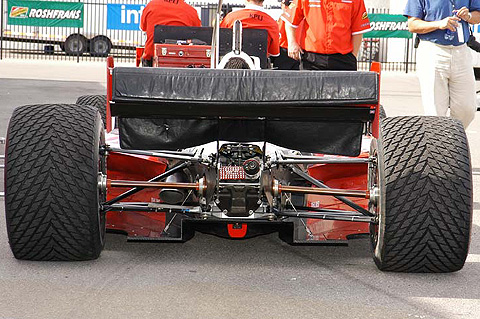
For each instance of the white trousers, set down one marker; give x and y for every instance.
(447, 81)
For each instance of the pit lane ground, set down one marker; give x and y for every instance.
(209, 277)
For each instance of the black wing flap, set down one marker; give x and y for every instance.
(196, 92)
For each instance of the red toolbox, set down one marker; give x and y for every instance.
(182, 56)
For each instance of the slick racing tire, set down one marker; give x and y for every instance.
(98, 102)
(51, 183)
(421, 195)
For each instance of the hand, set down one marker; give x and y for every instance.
(294, 51)
(450, 23)
(463, 14)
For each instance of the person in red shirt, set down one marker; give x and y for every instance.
(283, 61)
(165, 12)
(254, 17)
(333, 32)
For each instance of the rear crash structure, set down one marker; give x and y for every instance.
(237, 154)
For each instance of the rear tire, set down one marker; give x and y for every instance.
(51, 177)
(98, 102)
(383, 114)
(424, 205)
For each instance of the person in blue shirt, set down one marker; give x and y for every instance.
(444, 62)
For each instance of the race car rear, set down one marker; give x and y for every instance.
(239, 153)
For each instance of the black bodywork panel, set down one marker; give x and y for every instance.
(292, 232)
(166, 108)
(342, 138)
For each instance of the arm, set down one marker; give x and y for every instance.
(143, 19)
(274, 46)
(472, 17)
(416, 25)
(360, 25)
(194, 20)
(294, 49)
(293, 16)
(357, 42)
(475, 17)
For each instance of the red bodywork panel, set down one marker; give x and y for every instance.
(138, 55)
(376, 67)
(128, 167)
(341, 176)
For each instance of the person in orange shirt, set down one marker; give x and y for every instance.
(254, 17)
(283, 61)
(333, 32)
(165, 12)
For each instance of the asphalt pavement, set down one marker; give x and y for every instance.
(210, 277)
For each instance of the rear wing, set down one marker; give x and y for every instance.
(243, 93)
(163, 108)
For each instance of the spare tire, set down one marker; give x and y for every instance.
(421, 188)
(98, 102)
(52, 199)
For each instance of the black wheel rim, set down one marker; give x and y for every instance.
(100, 47)
(76, 46)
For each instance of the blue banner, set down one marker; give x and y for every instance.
(124, 16)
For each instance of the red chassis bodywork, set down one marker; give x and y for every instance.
(151, 224)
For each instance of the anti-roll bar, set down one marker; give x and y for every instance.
(201, 187)
(320, 191)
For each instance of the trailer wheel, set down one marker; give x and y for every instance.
(75, 44)
(52, 197)
(421, 186)
(100, 46)
(98, 102)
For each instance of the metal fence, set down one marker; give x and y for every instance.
(93, 41)
(97, 38)
(377, 50)
(381, 50)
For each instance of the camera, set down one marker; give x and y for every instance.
(473, 44)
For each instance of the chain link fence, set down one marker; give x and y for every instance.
(111, 27)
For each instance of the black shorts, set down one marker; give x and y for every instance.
(284, 62)
(339, 62)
